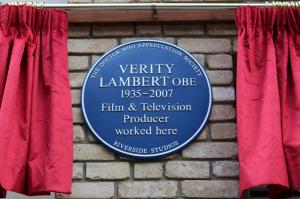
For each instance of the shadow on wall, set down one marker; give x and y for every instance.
(12, 195)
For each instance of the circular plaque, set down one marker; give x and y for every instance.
(146, 99)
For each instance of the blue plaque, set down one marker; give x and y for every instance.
(146, 99)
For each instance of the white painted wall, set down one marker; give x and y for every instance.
(45, 1)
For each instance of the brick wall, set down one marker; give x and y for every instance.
(208, 168)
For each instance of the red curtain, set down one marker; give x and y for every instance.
(268, 99)
(35, 103)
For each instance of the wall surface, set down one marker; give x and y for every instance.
(150, 1)
(208, 168)
(13, 195)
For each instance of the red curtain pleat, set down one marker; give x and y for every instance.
(268, 99)
(36, 147)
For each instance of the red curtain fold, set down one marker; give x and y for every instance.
(35, 102)
(268, 99)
